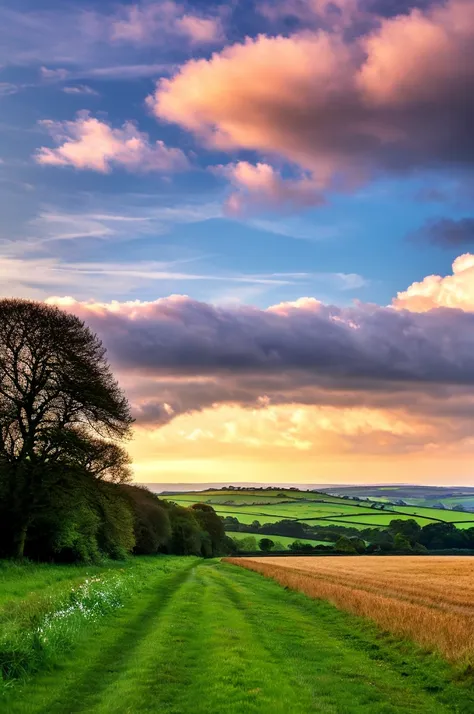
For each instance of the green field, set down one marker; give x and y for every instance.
(202, 636)
(316, 509)
(428, 496)
(284, 540)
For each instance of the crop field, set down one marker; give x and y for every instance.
(316, 509)
(429, 600)
(181, 635)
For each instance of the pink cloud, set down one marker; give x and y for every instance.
(341, 109)
(262, 186)
(88, 143)
(434, 291)
(147, 21)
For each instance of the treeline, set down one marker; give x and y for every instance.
(64, 474)
(401, 536)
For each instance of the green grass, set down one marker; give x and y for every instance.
(284, 540)
(436, 513)
(18, 580)
(210, 637)
(39, 628)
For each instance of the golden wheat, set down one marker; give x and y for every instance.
(427, 599)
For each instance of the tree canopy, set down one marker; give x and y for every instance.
(62, 414)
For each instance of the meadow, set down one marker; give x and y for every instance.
(429, 600)
(199, 636)
(316, 509)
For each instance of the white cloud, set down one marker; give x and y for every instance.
(456, 290)
(80, 89)
(88, 143)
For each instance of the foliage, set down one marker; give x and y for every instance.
(151, 521)
(266, 544)
(345, 545)
(60, 407)
(212, 525)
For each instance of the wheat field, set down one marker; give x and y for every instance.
(427, 599)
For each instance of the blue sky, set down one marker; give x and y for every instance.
(232, 195)
(360, 245)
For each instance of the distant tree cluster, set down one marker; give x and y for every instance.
(400, 536)
(64, 474)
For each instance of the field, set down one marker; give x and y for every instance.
(316, 509)
(284, 540)
(450, 497)
(429, 600)
(191, 637)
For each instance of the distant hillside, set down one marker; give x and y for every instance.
(452, 497)
(193, 487)
(317, 509)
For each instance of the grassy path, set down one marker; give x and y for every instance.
(215, 638)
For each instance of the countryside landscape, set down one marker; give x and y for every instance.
(236, 357)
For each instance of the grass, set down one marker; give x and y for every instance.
(17, 580)
(284, 540)
(39, 628)
(210, 637)
(316, 509)
(429, 600)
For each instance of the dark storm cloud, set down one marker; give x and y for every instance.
(448, 232)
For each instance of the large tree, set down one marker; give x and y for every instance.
(60, 407)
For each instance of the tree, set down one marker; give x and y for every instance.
(437, 536)
(57, 396)
(186, 535)
(345, 545)
(406, 528)
(212, 524)
(266, 545)
(358, 543)
(401, 542)
(247, 544)
(151, 522)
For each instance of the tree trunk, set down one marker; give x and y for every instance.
(20, 541)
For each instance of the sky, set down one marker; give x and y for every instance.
(265, 210)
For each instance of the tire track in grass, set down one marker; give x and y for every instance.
(164, 664)
(325, 655)
(238, 673)
(95, 667)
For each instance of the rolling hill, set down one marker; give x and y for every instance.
(271, 505)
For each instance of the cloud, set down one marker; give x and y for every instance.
(262, 186)
(342, 109)
(58, 74)
(315, 13)
(124, 72)
(88, 143)
(434, 291)
(7, 88)
(177, 355)
(448, 232)
(145, 22)
(37, 277)
(80, 89)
